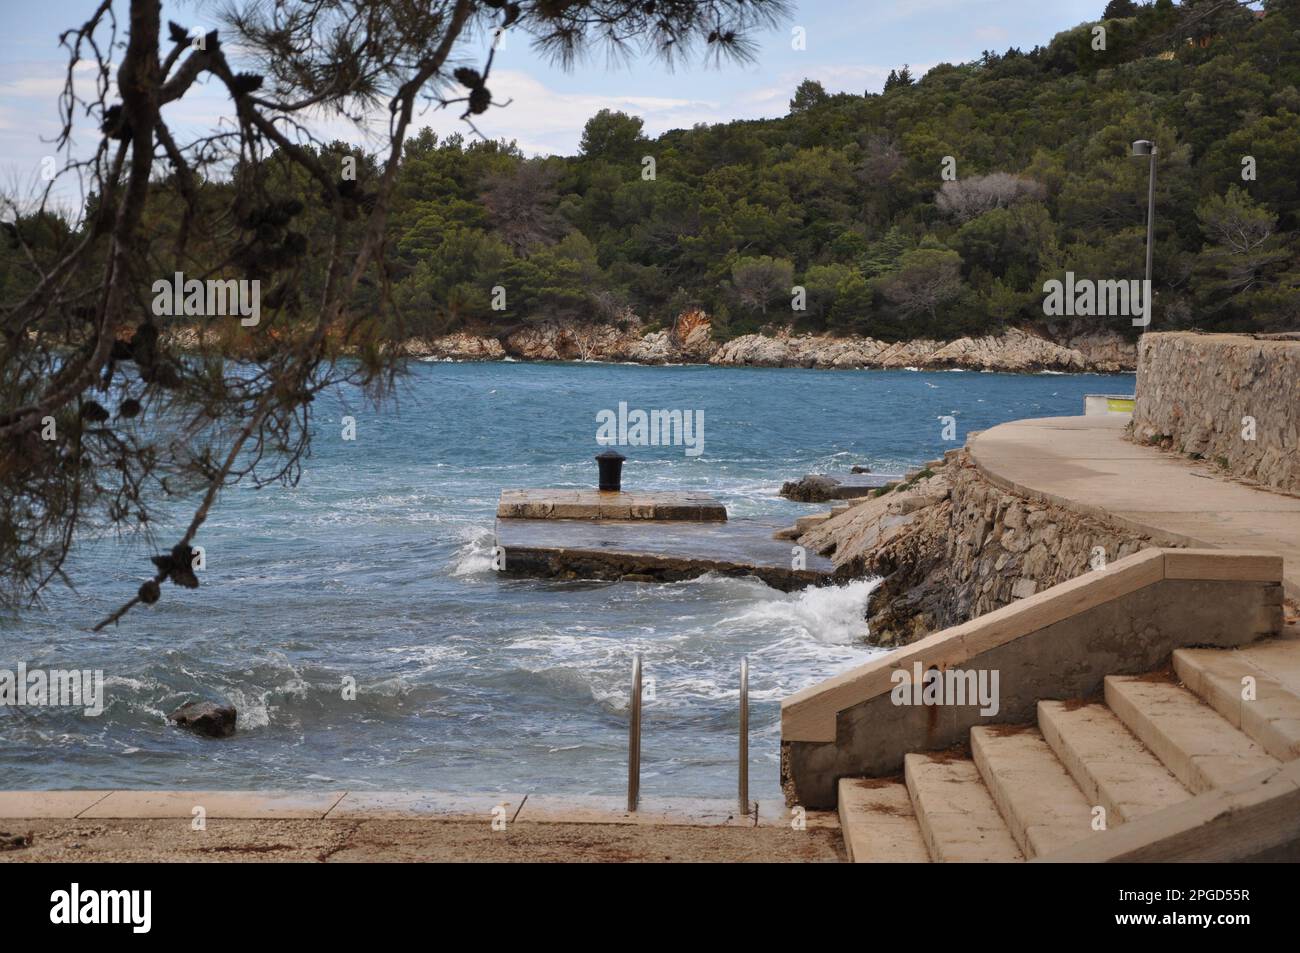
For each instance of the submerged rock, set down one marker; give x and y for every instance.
(206, 718)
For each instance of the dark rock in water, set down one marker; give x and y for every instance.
(206, 718)
(811, 489)
(860, 469)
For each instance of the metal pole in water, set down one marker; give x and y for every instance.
(634, 738)
(744, 736)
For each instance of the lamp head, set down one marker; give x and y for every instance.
(1143, 148)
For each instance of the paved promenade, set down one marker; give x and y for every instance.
(1085, 464)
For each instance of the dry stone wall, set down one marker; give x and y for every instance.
(1232, 399)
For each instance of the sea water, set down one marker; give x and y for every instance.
(376, 569)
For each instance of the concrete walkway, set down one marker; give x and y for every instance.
(1085, 464)
(398, 805)
(402, 826)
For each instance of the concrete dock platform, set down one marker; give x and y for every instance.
(609, 505)
(663, 551)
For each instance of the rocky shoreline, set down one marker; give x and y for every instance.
(691, 341)
(949, 546)
(1013, 350)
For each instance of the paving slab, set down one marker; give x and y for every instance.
(54, 804)
(431, 805)
(216, 804)
(599, 809)
(780, 814)
(1086, 464)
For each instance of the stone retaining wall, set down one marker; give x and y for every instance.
(953, 546)
(1196, 391)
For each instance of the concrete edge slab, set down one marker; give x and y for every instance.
(425, 805)
(58, 805)
(399, 805)
(779, 814)
(599, 809)
(234, 805)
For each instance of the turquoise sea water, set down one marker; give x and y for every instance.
(377, 567)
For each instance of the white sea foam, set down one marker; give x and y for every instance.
(254, 711)
(831, 615)
(474, 556)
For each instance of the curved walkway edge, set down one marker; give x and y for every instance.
(1085, 464)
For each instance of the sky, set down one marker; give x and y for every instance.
(851, 45)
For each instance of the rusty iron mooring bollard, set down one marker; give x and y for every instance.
(611, 470)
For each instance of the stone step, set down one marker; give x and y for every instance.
(1111, 767)
(1040, 803)
(1270, 717)
(1279, 657)
(958, 819)
(1197, 744)
(879, 824)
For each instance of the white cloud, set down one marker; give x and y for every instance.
(544, 120)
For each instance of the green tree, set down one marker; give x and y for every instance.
(1244, 261)
(822, 284)
(807, 96)
(925, 280)
(613, 136)
(758, 281)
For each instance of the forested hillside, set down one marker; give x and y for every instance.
(845, 197)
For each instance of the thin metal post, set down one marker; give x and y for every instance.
(1151, 219)
(744, 736)
(634, 738)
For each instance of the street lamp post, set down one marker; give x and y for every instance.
(1143, 148)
